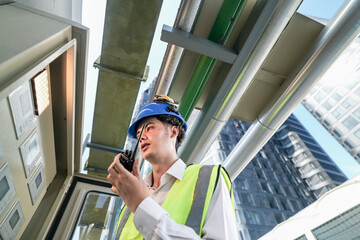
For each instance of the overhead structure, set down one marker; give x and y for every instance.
(249, 71)
(128, 33)
(329, 45)
(219, 107)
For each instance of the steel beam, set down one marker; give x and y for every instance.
(197, 44)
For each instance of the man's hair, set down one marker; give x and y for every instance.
(174, 121)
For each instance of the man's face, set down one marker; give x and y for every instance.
(156, 139)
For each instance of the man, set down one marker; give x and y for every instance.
(173, 201)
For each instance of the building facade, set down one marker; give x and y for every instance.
(288, 174)
(335, 100)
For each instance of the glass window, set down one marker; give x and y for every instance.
(350, 122)
(269, 219)
(356, 113)
(277, 189)
(357, 133)
(242, 184)
(348, 103)
(309, 107)
(272, 203)
(291, 192)
(321, 177)
(326, 123)
(253, 217)
(285, 204)
(349, 143)
(270, 175)
(327, 89)
(295, 205)
(338, 112)
(278, 217)
(263, 154)
(98, 216)
(225, 137)
(237, 198)
(260, 174)
(265, 187)
(337, 132)
(282, 178)
(319, 96)
(247, 199)
(336, 96)
(312, 165)
(328, 104)
(255, 162)
(256, 234)
(318, 114)
(263, 202)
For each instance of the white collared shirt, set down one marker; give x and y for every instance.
(153, 222)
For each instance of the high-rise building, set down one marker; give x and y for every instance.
(335, 100)
(288, 174)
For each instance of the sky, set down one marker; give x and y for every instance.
(313, 8)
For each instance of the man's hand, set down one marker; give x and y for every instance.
(130, 187)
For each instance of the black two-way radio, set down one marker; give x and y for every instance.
(127, 158)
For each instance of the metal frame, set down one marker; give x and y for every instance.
(197, 44)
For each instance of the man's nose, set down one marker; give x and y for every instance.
(143, 136)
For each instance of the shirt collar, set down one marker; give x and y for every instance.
(176, 170)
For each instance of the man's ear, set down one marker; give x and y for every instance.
(174, 131)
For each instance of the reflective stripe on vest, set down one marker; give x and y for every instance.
(187, 201)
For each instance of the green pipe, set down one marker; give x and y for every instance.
(224, 24)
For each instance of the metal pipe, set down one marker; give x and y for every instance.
(185, 20)
(105, 148)
(220, 33)
(332, 41)
(271, 22)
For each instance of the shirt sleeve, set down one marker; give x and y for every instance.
(153, 222)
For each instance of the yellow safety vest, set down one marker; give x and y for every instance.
(187, 201)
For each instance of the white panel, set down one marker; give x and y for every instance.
(36, 184)
(30, 152)
(7, 189)
(12, 222)
(22, 108)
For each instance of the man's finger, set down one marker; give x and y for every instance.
(116, 160)
(136, 168)
(118, 166)
(114, 190)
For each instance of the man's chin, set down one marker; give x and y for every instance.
(148, 156)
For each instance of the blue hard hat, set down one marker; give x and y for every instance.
(155, 109)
